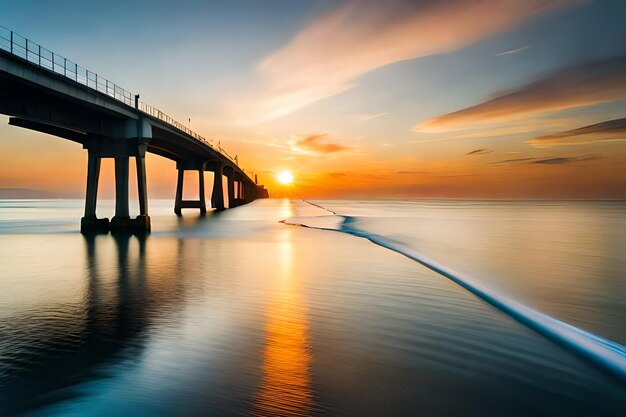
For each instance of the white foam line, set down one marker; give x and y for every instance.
(323, 208)
(608, 355)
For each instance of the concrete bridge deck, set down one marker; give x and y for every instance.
(45, 92)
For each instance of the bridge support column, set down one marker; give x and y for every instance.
(142, 222)
(248, 192)
(120, 141)
(141, 185)
(251, 191)
(217, 199)
(231, 190)
(179, 192)
(179, 203)
(98, 148)
(121, 220)
(237, 192)
(201, 193)
(90, 223)
(121, 189)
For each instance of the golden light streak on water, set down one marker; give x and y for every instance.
(285, 387)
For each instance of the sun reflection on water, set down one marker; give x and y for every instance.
(286, 209)
(285, 387)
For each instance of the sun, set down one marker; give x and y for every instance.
(285, 177)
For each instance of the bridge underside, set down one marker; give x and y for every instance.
(46, 102)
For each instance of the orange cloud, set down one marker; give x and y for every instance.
(315, 144)
(581, 85)
(327, 56)
(612, 130)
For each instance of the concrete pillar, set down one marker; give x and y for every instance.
(121, 151)
(217, 199)
(141, 185)
(180, 203)
(179, 192)
(244, 192)
(201, 194)
(93, 176)
(231, 190)
(121, 188)
(142, 222)
(90, 223)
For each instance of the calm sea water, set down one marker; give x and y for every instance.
(240, 314)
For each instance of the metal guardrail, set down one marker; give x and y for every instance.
(34, 53)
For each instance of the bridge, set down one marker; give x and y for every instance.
(46, 92)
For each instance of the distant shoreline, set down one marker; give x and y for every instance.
(33, 194)
(25, 193)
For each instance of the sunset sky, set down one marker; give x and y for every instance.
(357, 98)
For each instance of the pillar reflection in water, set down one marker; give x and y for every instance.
(285, 388)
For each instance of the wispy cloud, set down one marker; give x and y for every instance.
(315, 144)
(326, 57)
(514, 51)
(581, 85)
(479, 152)
(611, 130)
(512, 161)
(555, 160)
(365, 117)
(564, 160)
(528, 125)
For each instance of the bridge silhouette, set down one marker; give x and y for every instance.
(48, 93)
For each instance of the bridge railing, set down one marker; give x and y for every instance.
(154, 112)
(34, 53)
(44, 58)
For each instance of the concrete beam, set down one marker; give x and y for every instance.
(73, 135)
(56, 112)
(107, 147)
(193, 204)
